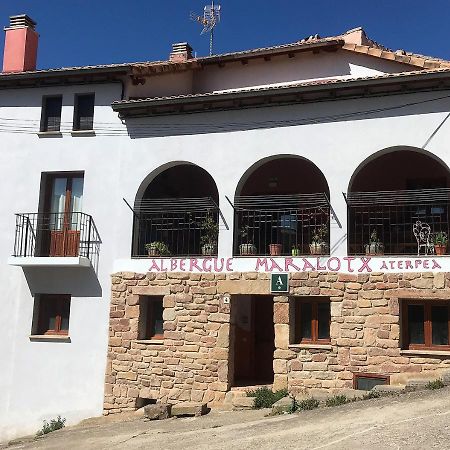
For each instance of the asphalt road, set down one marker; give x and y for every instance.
(419, 420)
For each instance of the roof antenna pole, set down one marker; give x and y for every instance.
(209, 20)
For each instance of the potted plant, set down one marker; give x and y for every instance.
(275, 249)
(210, 233)
(319, 245)
(295, 250)
(440, 240)
(375, 247)
(248, 248)
(157, 248)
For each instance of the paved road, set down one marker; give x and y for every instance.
(418, 420)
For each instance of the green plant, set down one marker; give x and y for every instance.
(53, 425)
(440, 238)
(371, 394)
(245, 235)
(435, 384)
(210, 231)
(265, 398)
(337, 400)
(319, 235)
(159, 248)
(374, 239)
(308, 404)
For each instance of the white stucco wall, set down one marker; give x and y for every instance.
(40, 380)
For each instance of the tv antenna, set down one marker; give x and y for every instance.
(209, 20)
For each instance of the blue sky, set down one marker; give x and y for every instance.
(82, 32)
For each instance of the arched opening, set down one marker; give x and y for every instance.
(176, 213)
(398, 203)
(282, 208)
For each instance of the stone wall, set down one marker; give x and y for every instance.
(192, 362)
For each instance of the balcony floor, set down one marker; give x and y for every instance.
(47, 261)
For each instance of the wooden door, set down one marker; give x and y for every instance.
(64, 218)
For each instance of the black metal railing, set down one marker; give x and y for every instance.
(393, 216)
(281, 225)
(57, 234)
(175, 227)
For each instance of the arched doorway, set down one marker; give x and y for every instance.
(398, 199)
(282, 208)
(176, 213)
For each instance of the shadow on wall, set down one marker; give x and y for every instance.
(79, 282)
(287, 116)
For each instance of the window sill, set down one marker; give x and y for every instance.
(49, 338)
(80, 133)
(49, 134)
(425, 352)
(312, 346)
(150, 341)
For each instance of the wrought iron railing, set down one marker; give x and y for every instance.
(396, 217)
(175, 227)
(57, 234)
(281, 225)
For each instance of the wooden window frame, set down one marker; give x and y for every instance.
(148, 318)
(76, 110)
(44, 117)
(314, 301)
(386, 378)
(428, 325)
(43, 314)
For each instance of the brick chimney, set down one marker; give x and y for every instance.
(21, 43)
(181, 52)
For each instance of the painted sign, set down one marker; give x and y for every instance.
(345, 264)
(279, 282)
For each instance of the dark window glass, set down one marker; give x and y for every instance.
(84, 112)
(366, 383)
(323, 313)
(151, 318)
(158, 318)
(51, 114)
(54, 312)
(439, 323)
(416, 320)
(306, 318)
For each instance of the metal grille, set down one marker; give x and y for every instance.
(289, 221)
(179, 223)
(392, 215)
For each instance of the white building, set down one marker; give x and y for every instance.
(264, 142)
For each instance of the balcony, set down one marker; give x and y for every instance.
(55, 240)
(282, 225)
(403, 222)
(181, 227)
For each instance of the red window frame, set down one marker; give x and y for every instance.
(314, 302)
(53, 305)
(428, 325)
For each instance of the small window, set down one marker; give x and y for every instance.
(366, 381)
(84, 112)
(312, 320)
(53, 313)
(51, 113)
(425, 325)
(151, 318)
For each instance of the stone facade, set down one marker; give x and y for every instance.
(194, 360)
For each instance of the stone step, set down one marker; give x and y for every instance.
(238, 400)
(189, 409)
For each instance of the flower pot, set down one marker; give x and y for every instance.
(318, 248)
(374, 249)
(295, 252)
(153, 251)
(209, 249)
(247, 249)
(275, 249)
(440, 249)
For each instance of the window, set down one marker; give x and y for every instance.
(83, 118)
(366, 381)
(311, 320)
(425, 325)
(52, 314)
(151, 318)
(51, 113)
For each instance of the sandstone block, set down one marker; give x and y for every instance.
(281, 313)
(189, 409)
(281, 336)
(157, 412)
(284, 405)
